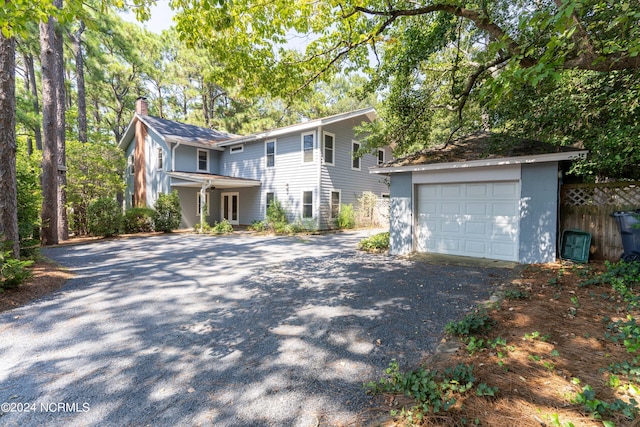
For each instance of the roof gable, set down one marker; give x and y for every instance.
(368, 113)
(172, 131)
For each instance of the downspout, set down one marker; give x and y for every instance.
(173, 156)
(319, 195)
(203, 201)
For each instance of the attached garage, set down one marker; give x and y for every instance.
(502, 208)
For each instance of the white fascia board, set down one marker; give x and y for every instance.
(191, 143)
(540, 158)
(125, 136)
(302, 127)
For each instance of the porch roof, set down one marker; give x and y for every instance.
(197, 180)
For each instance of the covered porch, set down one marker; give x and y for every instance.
(217, 196)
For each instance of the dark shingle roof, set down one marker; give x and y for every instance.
(182, 132)
(478, 146)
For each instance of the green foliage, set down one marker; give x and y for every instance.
(29, 196)
(104, 217)
(13, 272)
(376, 243)
(167, 215)
(624, 278)
(432, 391)
(94, 171)
(257, 225)
(515, 294)
(138, 220)
(473, 323)
(599, 408)
(276, 214)
(222, 227)
(346, 218)
(627, 331)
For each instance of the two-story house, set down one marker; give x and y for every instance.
(309, 167)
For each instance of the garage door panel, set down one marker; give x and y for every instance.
(450, 227)
(475, 208)
(473, 219)
(477, 248)
(451, 191)
(476, 228)
(451, 208)
(476, 190)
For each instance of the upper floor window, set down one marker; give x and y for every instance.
(380, 157)
(307, 148)
(203, 161)
(270, 153)
(329, 148)
(355, 161)
(132, 165)
(236, 149)
(160, 159)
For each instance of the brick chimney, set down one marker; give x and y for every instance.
(139, 178)
(142, 107)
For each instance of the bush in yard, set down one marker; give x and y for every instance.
(104, 217)
(346, 218)
(376, 243)
(13, 271)
(167, 212)
(138, 220)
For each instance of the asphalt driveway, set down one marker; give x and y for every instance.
(226, 331)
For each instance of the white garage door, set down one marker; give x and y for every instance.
(471, 219)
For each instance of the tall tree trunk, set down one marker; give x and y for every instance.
(60, 94)
(76, 40)
(31, 77)
(49, 179)
(8, 182)
(27, 89)
(160, 101)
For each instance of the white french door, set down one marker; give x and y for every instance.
(230, 204)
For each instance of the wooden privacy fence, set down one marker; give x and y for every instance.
(588, 207)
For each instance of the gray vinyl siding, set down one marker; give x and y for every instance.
(187, 159)
(340, 176)
(539, 213)
(401, 221)
(158, 182)
(287, 179)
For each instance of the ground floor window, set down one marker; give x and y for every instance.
(335, 203)
(270, 198)
(206, 201)
(307, 204)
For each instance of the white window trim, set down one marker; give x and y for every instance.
(313, 149)
(206, 201)
(353, 142)
(331, 202)
(302, 204)
(230, 194)
(331, 163)
(198, 160)
(384, 157)
(266, 202)
(235, 149)
(266, 157)
(160, 157)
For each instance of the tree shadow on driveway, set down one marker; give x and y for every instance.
(201, 330)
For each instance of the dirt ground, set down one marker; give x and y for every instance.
(555, 335)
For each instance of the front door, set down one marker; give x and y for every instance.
(230, 203)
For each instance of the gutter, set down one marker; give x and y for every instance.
(173, 156)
